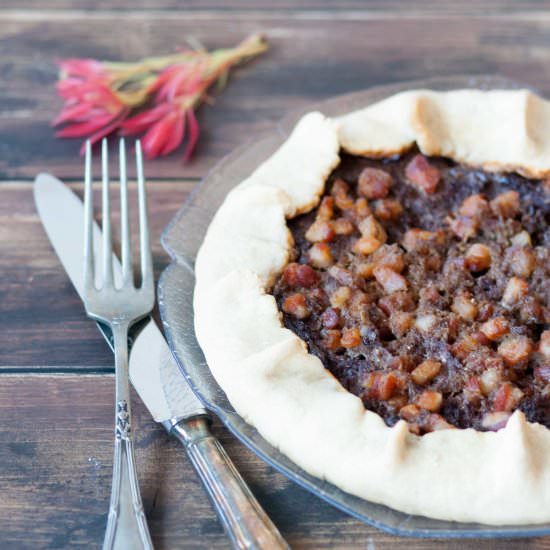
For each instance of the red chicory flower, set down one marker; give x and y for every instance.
(103, 97)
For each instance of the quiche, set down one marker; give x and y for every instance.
(375, 300)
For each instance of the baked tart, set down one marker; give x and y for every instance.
(375, 300)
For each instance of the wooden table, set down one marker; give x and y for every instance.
(56, 383)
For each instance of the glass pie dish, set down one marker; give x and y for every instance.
(182, 239)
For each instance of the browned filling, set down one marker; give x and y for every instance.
(423, 286)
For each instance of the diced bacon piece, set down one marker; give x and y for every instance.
(320, 232)
(369, 227)
(422, 174)
(331, 340)
(489, 380)
(507, 397)
(296, 305)
(361, 209)
(357, 303)
(390, 256)
(495, 421)
(506, 205)
(342, 226)
(380, 385)
(326, 209)
(474, 206)
(388, 209)
(425, 322)
(426, 372)
(339, 187)
(320, 255)
(495, 328)
(515, 350)
(531, 311)
(409, 412)
(468, 344)
(374, 183)
(430, 400)
(340, 192)
(390, 280)
(331, 318)
(515, 290)
(472, 390)
(366, 245)
(419, 239)
(478, 258)
(365, 269)
(523, 261)
(300, 275)
(463, 227)
(521, 239)
(351, 337)
(401, 322)
(340, 296)
(341, 274)
(464, 306)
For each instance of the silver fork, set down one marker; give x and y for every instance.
(119, 308)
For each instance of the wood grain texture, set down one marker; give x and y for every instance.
(421, 7)
(55, 467)
(338, 54)
(56, 451)
(43, 324)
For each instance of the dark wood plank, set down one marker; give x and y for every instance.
(484, 7)
(313, 56)
(55, 465)
(43, 324)
(56, 430)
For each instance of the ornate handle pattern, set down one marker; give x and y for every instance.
(126, 523)
(244, 520)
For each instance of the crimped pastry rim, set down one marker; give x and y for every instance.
(272, 381)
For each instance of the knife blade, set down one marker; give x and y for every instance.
(153, 371)
(158, 381)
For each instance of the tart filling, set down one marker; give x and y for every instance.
(423, 286)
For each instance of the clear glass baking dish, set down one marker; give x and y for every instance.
(182, 239)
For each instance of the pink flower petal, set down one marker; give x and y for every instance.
(165, 76)
(85, 128)
(155, 138)
(194, 132)
(81, 67)
(172, 87)
(176, 135)
(72, 112)
(105, 131)
(143, 120)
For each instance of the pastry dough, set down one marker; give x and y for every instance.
(294, 402)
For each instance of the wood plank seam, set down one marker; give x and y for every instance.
(34, 15)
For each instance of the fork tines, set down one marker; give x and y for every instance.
(126, 279)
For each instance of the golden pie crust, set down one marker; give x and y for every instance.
(286, 393)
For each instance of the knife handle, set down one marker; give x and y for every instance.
(244, 520)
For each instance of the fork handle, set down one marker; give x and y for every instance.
(126, 524)
(244, 520)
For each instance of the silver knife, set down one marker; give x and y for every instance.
(158, 381)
